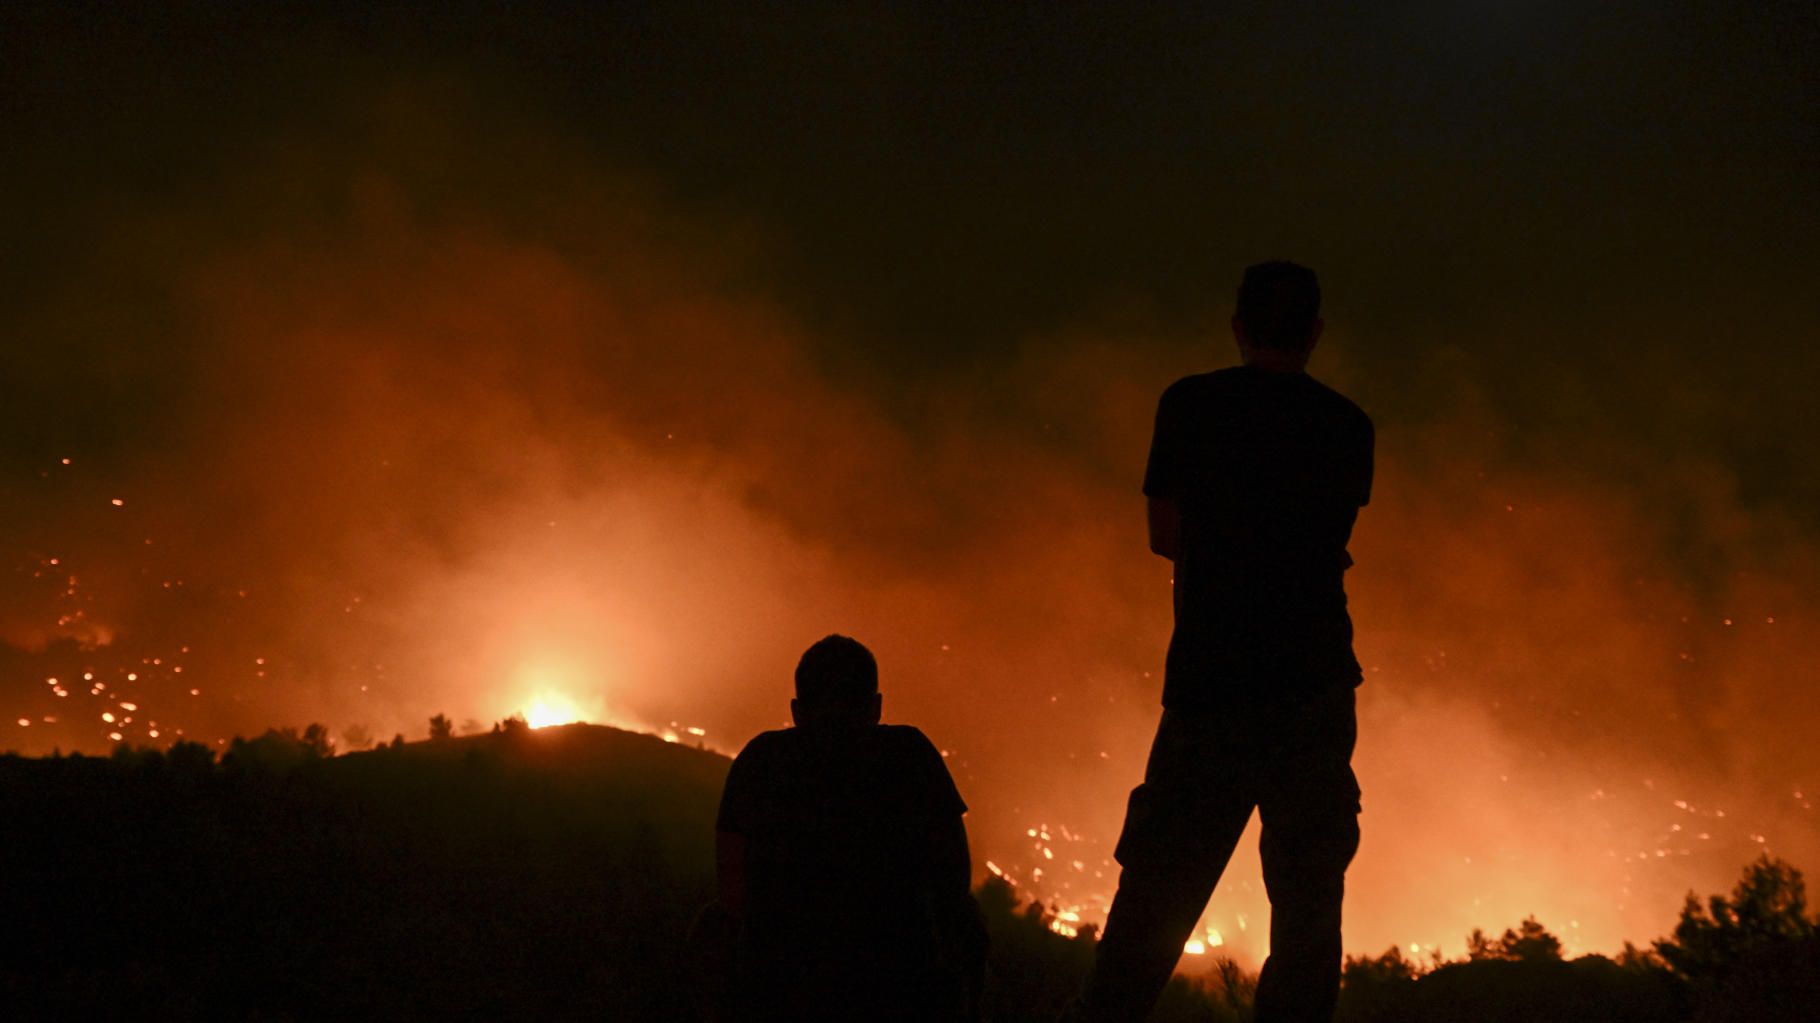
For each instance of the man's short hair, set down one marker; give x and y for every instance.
(1278, 304)
(837, 669)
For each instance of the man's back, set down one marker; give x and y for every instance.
(1268, 470)
(846, 873)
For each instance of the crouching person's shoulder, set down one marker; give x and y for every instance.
(908, 740)
(766, 744)
(759, 759)
(925, 762)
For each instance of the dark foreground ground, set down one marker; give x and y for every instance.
(553, 875)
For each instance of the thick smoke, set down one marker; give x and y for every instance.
(388, 444)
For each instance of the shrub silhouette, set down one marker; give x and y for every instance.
(1767, 908)
(1754, 955)
(1530, 942)
(1751, 955)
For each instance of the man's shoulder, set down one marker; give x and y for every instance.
(906, 738)
(1196, 385)
(766, 745)
(917, 762)
(904, 751)
(1234, 380)
(1194, 397)
(894, 740)
(1343, 407)
(753, 782)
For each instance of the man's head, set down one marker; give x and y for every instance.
(1279, 316)
(836, 685)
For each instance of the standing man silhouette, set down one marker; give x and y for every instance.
(1255, 478)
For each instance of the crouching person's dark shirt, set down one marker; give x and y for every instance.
(849, 877)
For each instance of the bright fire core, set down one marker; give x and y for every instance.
(548, 709)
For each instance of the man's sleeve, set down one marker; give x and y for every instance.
(943, 799)
(739, 796)
(1163, 470)
(1367, 441)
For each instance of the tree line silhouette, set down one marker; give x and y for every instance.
(554, 875)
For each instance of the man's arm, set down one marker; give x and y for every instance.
(950, 863)
(1165, 527)
(730, 871)
(1164, 476)
(739, 809)
(952, 859)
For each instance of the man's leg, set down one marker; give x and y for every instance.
(1180, 830)
(1152, 917)
(1311, 831)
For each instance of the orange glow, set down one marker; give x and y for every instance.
(1553, 711)
(551, 686)
(562, 690)
(551, 708)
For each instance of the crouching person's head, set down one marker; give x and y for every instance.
(836, 686)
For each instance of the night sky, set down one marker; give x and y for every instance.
(608, 357)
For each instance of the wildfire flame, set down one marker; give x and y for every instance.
(551, 708)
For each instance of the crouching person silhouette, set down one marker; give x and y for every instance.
(843, 863)
(1255, 479)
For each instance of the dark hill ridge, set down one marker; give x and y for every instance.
(554, 874)
(598, 758)
(573, 746)
(544, 874)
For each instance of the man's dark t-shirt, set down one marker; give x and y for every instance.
(843, 880)
(1269, 471)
